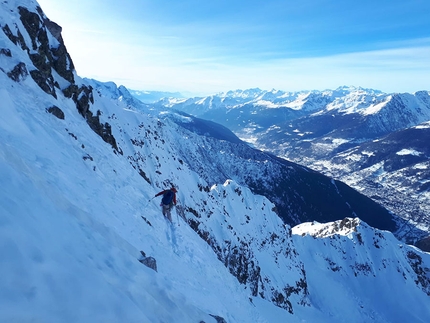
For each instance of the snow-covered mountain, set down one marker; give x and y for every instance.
(154, 96)
(82, 238)
(373, 141)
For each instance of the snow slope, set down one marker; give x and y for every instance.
(71, 231)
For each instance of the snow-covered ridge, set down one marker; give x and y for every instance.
(345, 99)
(323, 230)
(365, 254)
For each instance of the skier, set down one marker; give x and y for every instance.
(167, 202)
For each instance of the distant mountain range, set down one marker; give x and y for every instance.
(374, 141)
(154, 96)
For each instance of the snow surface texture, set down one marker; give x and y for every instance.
(75, 214)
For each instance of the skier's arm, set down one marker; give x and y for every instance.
(158, 194)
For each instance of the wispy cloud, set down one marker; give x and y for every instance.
(395, 70)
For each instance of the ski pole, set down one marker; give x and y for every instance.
(149, 201)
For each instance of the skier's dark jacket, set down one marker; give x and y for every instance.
(165, 191)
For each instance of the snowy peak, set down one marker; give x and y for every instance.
(344, 90)
(244, 94)
(310, 100)
(154, 96)
(323, 230)
(350, 248)
(343, 100)
(114, 92)
(411, 108)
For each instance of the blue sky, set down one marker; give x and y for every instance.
(205, 47)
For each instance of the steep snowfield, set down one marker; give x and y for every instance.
(71, 232)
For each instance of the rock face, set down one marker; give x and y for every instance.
(47, 53)
(18, 73)
(83, 98)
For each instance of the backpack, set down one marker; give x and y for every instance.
(167, 197)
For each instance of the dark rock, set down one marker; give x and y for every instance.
(55, 29)
(5, 52)
(87, 157)
(218, 319)
(32, 23)
(56, 111)
(149, 262)
(18, 73)
(43, 56)
(83, 96)
(144, 176)
(424, 244)
(45, 82)
(281, 301)
(422, 279)
(17, 40)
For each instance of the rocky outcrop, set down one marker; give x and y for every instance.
(18, 73)
(149, 262)
(48, 54)
(422, 279)
(56, 111)
(83, 98)
(42, 54)
(17, 39)
(241, 262)
(5, 52)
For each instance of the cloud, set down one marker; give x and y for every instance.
(393, 70)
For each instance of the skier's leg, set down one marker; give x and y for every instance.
(169, 214)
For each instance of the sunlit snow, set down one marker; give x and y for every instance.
(408, 152)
